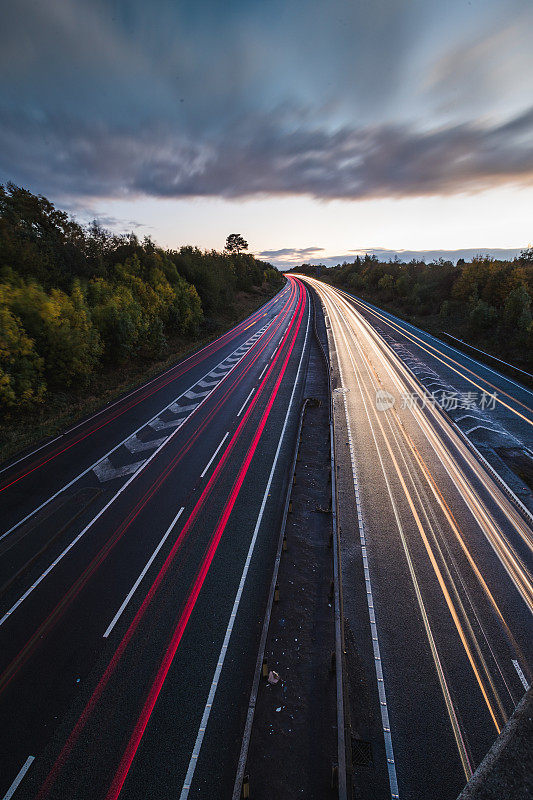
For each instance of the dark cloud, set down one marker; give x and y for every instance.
(263, 156)
(242, 99)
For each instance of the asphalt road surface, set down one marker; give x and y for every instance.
(445, 548)
(136, 555)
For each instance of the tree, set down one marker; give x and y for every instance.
(235, 243)
(21, 368)
(517, 314)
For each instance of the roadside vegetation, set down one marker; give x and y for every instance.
(84, 312)
(486, 302)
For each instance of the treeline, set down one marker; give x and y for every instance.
(75, 301)
(486, 300)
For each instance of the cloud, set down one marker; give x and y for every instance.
(290, 253)
(203, 99)
(384, 254)
(86, 214)
(264, 156)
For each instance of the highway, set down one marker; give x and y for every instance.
(437, 553)
(492, 409)
(137, 550)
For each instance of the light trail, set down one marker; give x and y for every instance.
(357, 342)
(405, 381)
(454, 365)
(134, 740)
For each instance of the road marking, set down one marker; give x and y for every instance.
(14, 786)
(520, 674)
(165, 425)
(481, 427)
(220, 663)
(385, 722)
(105, 471)
(429, 633)
(141, 576)
(263, 371)
(136, 445)
(108, 406)
(114, 449)
(84, 531)
(49, 569)
(202, 474)
(243, 405)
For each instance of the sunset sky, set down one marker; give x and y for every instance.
(316, 129)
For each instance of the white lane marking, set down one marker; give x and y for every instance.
(108, 406)
(177, 408)
(164, 425)
(202, 474)
(136, 445)
(520, 674)
(110, 452)
(220, 663)
(141, 576)
(205, 384)
(14, 786)
(384, 709)
(105, 471)
(263, 371)
(482, 427)
(194, 395)
(87, 527)
(243, 405)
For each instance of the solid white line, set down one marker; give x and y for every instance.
(263, 371)
(91, 523)
(384, 708)
(207, 710)
(14, 786)
(134, 391)
(520, 674)
(202, 474)
(141, 576)
(106, 455)
(242, 407)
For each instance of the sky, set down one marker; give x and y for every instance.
(317, 130)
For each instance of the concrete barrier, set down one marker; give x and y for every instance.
(506, 772)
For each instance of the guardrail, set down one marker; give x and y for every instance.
(517, 371)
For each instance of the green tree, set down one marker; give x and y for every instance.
(21, 368)
(517, 314)
(62, 330)
(483, 317)
(235, 243)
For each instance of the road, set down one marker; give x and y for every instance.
(491, 409)
(136, 552)
(443, 552)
